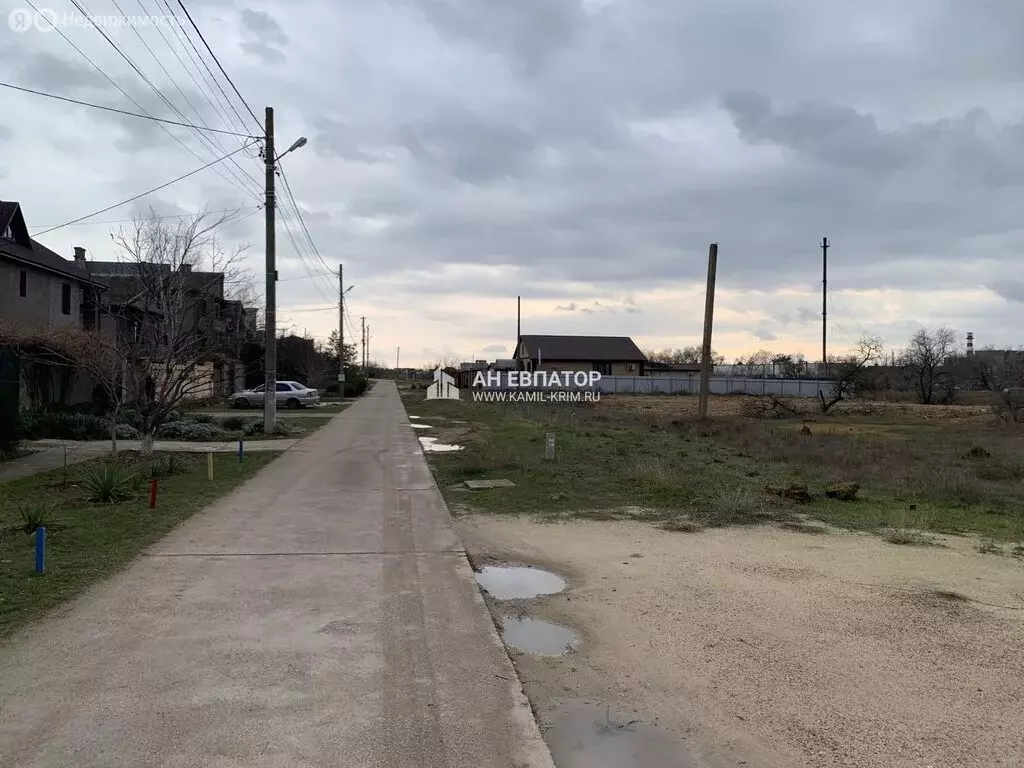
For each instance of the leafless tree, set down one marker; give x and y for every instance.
(924, 361)
(687, 355)
(755, 364)
(849, 371)
(168, 329)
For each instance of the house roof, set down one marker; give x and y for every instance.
(24, 250)
(589, 348)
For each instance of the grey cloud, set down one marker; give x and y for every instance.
(765, 334)
(5, 132)
(55, 74)
(570, 307)
(269, 37)
(1011, 290)
(470, 147)
(495, 349)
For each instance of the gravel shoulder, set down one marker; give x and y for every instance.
(780, 648)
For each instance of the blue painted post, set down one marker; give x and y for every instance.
(241, 450)
(40, 550)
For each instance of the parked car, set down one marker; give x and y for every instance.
(290, 394)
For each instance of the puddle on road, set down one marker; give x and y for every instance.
(422, 426)
(584, 735)
(430, 445)
(538, 637)
(506, 582)
(415, 417)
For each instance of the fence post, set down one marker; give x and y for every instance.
(549, 446)
(209, 465)
(40, 549)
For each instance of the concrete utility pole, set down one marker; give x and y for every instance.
(398, 354)
(824, 305)
(270, 335)
(709, 313)
(364, 345)
(341, 331)
(270, 341)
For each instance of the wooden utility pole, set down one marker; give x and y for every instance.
(824, 305)
(709, 313)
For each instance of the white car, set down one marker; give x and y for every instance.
(290, 394)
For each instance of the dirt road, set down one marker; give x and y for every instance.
(772, 648)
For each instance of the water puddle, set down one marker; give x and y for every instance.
(422, 426)
(583, 735)
(415, 417)
(507, 582)
(540, 637)
(430, 445)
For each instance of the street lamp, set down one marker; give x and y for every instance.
(270, 339)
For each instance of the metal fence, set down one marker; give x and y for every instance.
(720, 385)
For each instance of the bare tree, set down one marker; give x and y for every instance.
(924, 361)
(849, 371)
(690, 355)
(1002, 374)
(755, 364)
(168, 328)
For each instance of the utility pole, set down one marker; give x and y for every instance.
(341, 331)
(824, 305)
(364, 345)
(270, 341)
(398, 354)
(709, 313)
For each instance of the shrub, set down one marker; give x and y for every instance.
(35, 515)
(355, 386)
(167, 466)
(201, 418)
(11, 430)
(235, 423)
(126, 432)
(108, 483)
(190, 430)
(281, 429)
(65, 425)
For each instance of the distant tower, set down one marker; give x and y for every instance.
(970, 343)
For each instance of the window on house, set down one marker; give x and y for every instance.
(65, 299)
(23, 285)
(605, 369)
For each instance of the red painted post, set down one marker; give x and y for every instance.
(152, 493)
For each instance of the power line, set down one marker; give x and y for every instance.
(123, 112)
(130, 98)
(184, 96)
(217, 61)
(291, 197)
(156, 218)
(212, 77)
(205, 92)
(85, 11)
(143, 194)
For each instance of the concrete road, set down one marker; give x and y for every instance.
(322, 615)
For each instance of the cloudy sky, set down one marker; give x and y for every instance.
(581, 153)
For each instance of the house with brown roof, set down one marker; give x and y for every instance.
(608, 355)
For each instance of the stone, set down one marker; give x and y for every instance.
(794, 492)
(843, 491)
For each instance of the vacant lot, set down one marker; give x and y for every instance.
(754, 627)
(921, 470)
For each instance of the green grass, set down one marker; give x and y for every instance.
(87, 542)
(682, 474)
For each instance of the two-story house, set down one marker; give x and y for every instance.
(42, 293)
